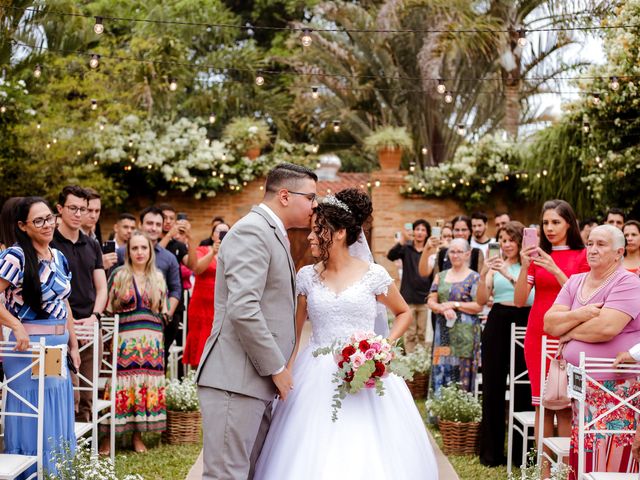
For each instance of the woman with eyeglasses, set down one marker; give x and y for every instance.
(36, 282)
(456, 341)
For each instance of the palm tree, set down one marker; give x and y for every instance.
(391, 78)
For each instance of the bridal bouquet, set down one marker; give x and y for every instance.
(362, 363)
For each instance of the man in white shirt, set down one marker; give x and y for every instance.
(479, 237)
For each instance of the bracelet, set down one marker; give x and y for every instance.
(97, 315)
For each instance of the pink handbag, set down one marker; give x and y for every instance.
(555, 396)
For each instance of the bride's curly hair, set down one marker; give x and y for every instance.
(330, 218)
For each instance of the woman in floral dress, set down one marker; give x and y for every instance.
(137, 293)
(456, 341)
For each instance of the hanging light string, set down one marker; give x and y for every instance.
(301, 29)
(95, 58)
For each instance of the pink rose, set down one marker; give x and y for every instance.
(371, 383)
(377, 346)
(360, 335)
(357, 359)
(369, 354)
(386, 347)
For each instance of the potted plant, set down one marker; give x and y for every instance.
(183, 411)
(418, 363)
(389, 143)
(458, 413)
(248, 135)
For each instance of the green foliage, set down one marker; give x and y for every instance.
(389, 137)
(453, 404)
(473, 175)
(418, 361)
(247, 132)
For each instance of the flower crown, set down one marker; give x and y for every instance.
(332, 200)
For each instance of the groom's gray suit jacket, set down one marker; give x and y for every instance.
(253, 331)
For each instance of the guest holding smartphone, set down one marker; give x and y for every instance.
(201, 310)
(547, 267)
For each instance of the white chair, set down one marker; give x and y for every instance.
(521, 422)
(11, 465)
(101, 409)
(559, 446)
(176, 352)
(108, 368)
(578, 379)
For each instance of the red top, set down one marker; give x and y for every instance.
(547, 289)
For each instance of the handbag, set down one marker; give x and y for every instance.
(555, 396)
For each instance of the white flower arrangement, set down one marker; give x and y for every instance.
(85, 466)
(531, 470)
(453, 404)
(418, 361)
(182, 396)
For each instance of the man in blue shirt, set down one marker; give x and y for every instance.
(151, 224)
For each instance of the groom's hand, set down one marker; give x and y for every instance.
(284, 382)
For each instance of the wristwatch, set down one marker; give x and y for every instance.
(456, 305)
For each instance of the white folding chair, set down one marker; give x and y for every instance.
(559, 446)
(108, 371)
(176, 352)
(101, 409)
(579, 377)
(12, 465)
(521, 422)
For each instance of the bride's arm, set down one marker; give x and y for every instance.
(301, 316)
(394, 302)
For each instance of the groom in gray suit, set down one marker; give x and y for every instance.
(244, 363)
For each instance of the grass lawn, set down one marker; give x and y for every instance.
(161, 462)
(172, 462)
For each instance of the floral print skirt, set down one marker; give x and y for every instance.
(604, 452)
(140, 400)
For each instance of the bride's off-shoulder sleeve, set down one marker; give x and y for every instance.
(379, 280)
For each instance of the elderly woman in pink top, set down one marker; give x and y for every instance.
(599, 313)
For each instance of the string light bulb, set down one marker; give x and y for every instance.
(130, 143)
(596, 99)
(448, 98)
(336, 126)
(614, 84)
(425, 150)
(259, 79)
(173, 84)
(522, 37)
(48, 145)
(94, 104)
(3, 109)
(377, 183)
(412, 166)
(306, 38)
(212, 118)
(461, 129)
(95, 61)
(38, 125)
(37, 72)
(586, 127)
(441, 88)
(78, 153)
(314, 93)
(101, 127)
(99, 26)
(55, 140)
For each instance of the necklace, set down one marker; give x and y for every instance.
(606, 282)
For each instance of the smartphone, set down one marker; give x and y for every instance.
(440, 222)
(221, 235)
(494, 249)
(436, 232)
(530, 238)
(181, 216)
(397, 236)
(408, 226)
(109, 246)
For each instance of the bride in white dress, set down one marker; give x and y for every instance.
(375, 437)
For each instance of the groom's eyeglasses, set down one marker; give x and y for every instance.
(312, 197)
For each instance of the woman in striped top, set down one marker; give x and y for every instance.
(36, 282)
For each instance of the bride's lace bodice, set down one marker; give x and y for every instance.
(336, 316)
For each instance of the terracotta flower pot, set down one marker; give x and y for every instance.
(253, 153)
(389, 158)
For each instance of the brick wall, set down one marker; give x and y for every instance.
(391, 210)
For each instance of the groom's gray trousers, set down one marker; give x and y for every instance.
(234, 429)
